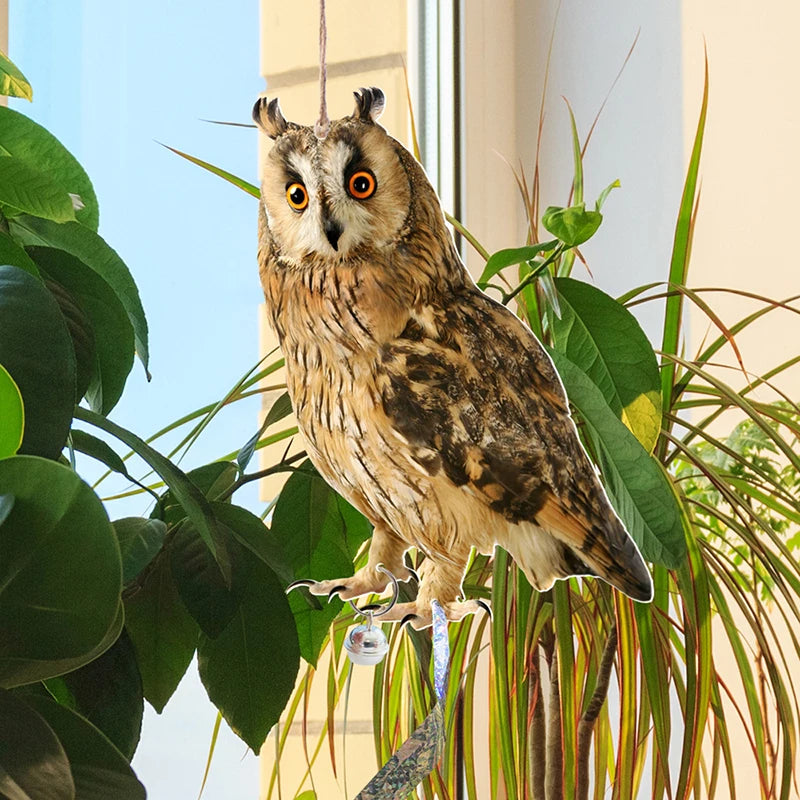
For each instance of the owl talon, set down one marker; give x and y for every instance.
(335, 591)
(406, 619)
(486, 607)
(297, 584)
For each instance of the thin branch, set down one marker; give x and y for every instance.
(589, 718)
(282, 466)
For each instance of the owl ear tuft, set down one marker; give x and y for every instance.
(369, 104)
(267, 115)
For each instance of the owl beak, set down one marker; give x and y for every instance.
(333, 230)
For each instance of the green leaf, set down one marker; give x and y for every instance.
(280, 409)
(250, 531)
(249, 670)
(60, 571)
(33, 764)
(231, 178)
(12, 82)
(39, 149)
(605, 193)
(6, 504)
(81, 333)
(573, 225)
(199, 581)
(140, 541)
(12, 412)
(211, 480)
(113, 333)
(636, 484)
(108, 693)
(99, 770)
(163, 633)
(514, 255)
(11, 253)
(320, 534)
(93, 251)
(36, 349)
(28, 190)
(681, 251)
(605, 340)
(98, 449)
(185, 492)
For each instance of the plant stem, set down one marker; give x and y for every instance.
(589, 718)
(554, 779)
(537, 732)
(531, 276)
(282, 466)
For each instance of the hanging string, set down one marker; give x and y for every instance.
(323, 124)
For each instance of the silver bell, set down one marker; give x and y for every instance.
(366, 645)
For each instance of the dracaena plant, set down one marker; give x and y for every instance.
(715, 513)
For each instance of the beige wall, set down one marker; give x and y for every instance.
(367, 45)
(744, 236)
(751, 166)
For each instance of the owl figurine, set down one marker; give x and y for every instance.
(426, 404)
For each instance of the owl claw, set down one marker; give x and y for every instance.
(419, 614)
(297, 584)
(335, 591)
(486, 607)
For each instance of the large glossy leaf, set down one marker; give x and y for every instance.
(38, 148)
(27, 190)
(60, 572)
(11, 253)
(108, 693)
(93, 251)
(140, 540)
(81, 332)
(36, 349)
(113, 333)
(636, 484)
(197, 576)
(163, 633)
(604, 339)
(184, 490)
(84, 442)
(320, 534)
(33, 764)
(99, 770)
(12, 82)
(250, 531)
(212, 480)
(249, 670)
(12, 412)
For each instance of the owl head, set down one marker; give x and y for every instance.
(340, 197)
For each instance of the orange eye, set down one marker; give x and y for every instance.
(297, 196)
(362, 184)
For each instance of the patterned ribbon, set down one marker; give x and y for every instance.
(418, 756)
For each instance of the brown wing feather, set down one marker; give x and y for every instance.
(477, 396)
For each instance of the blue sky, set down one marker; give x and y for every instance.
(111, 79)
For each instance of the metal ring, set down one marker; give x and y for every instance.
(370, 610)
